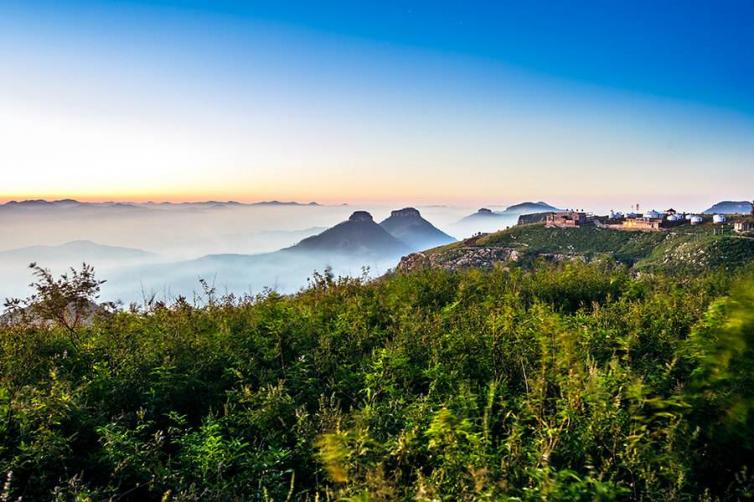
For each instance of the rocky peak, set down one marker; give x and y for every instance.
(484, 210)
(360, 216)
(406, 212)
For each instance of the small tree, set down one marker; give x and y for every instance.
(67, 301)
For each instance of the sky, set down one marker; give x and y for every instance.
(583, 104)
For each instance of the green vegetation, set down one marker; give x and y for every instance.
(685, 249)
(590, 241)
(564, 382)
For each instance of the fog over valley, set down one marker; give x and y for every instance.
(163, 249)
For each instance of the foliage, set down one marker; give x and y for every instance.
(683, 250)
(562, 382)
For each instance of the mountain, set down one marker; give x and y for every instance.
(730, 207)
(39, 204)
(511, 211)
(359, 235)
(70, 207)
(408, 226)
(74, 252)
(345, 249)
(70, 203)
(482, 214)
(483, 221)
(285, 203)
(530, 207)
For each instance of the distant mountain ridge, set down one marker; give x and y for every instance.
(511, 211)
(730, 207)
(530, 207)
(71, 203)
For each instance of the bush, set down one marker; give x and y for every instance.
(564, 382)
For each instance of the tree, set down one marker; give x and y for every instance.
(68, 301)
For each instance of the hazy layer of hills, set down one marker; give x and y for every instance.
(75, 252)
(238, 247)
(345, 248)
(74, 204)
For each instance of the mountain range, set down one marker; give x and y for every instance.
(346, 248)
(74, 204)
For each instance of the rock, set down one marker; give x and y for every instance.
(361, 216)
(459, 258)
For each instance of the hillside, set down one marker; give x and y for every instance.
(408, 226)
(565, 382)
(689, 248)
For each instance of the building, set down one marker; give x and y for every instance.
(696, 220)
(743, 227)
(566, 219)
(645, 224)
(719, 218)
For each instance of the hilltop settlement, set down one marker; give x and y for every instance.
(669, 240)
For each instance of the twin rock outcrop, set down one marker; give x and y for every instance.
(401, 233)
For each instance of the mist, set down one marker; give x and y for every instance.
(162, 250)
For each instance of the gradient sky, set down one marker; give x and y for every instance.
(596, 104)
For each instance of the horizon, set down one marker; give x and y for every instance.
(182, 101)
(362, 250)
(382, 205)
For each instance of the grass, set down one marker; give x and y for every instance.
(692, 247)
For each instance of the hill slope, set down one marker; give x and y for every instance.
(689, 249)
(450, 386)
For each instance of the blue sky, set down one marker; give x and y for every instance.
(379, 101)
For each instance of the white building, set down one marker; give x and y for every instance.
(719, 218)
